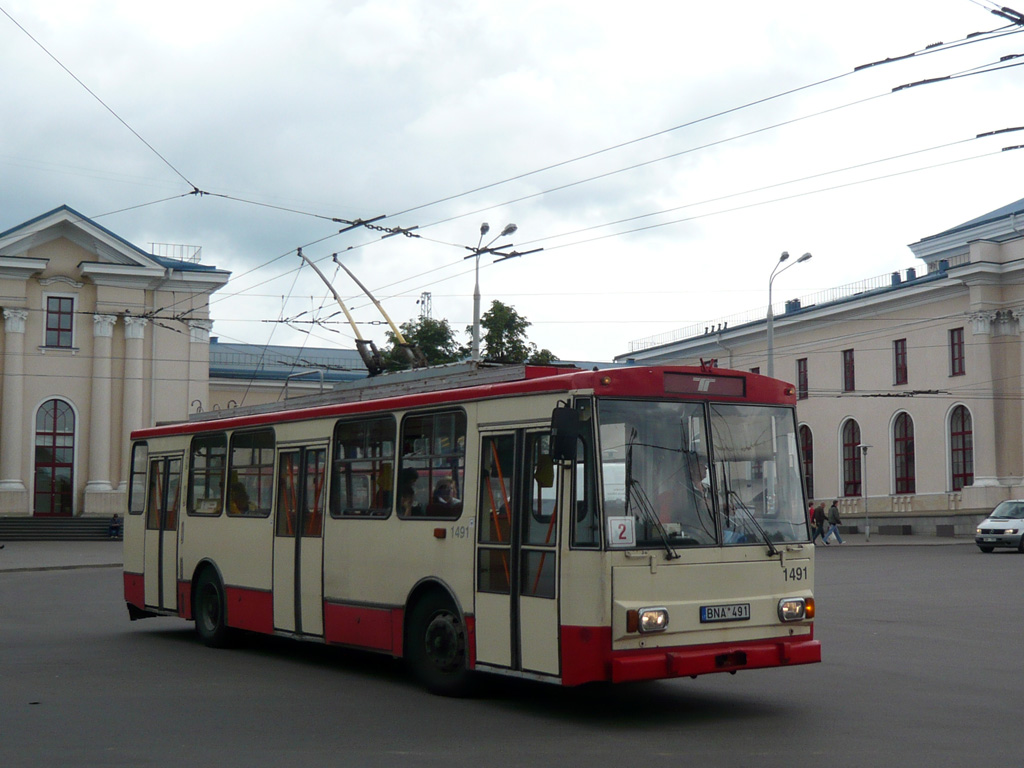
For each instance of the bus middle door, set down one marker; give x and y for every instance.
(161, 544)
(298, 540)
(517, 616)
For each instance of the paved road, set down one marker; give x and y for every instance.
(916, 643)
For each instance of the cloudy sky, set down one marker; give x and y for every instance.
(638, 144)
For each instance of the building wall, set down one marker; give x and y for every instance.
(122, 371)
(984, 295)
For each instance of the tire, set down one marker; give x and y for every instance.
(1020, 546)
(210, 609)
(436, 646)
(986, 550)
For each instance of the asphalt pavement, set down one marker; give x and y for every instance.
(63, 555)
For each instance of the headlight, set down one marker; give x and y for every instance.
(1010, 530)
(979, 531)
(796, 608)
(647, 620)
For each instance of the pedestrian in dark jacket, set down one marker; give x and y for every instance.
(819, 524)
(833, 523)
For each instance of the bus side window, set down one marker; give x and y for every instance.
(251, 473)
(362, 475)
(137, 484)
(586, 529)
(206, 468)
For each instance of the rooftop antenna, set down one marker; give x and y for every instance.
(367, 349)
(413, 353)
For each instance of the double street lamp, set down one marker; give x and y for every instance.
(479, 251)
(771, 315)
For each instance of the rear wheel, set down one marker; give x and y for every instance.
(211, 611)
(436, 646)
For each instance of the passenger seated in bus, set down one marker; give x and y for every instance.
(444, 501)
(407, 504)
(238, 499)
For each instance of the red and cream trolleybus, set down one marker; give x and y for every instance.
(564, 525)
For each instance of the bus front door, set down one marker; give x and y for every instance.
(516, 610)
(298, 540)
(161, 546)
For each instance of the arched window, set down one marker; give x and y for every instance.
(961, 448)
(54, 459)
(903, 453)
(851, 458)
(807, 459)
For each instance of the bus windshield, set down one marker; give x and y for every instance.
(678, 474)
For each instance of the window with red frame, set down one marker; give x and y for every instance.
(60, 313)
(903, 453)
(851, 458)
(957, 364)
(961, 443)
(848, 373)
(807, 459)
(899, 354)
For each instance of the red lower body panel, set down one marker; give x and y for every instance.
(587, 656)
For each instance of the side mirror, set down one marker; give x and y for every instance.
(565, 431)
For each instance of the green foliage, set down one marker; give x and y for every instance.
(503, 337)
(435, 338)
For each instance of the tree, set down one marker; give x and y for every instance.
(435, 338)
(504, 337)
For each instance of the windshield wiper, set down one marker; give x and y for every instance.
(643, 503)
(772, 549)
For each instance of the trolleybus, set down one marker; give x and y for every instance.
(563, 525)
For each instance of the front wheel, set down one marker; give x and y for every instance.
(986, 550)
(211, 611)
(436, 647)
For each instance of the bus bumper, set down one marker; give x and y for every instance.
(629, 666)
(587, 657)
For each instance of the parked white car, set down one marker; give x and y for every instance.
(1003, 528)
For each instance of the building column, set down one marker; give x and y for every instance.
(99, 405)
(131, 415)
(199, 364)
(989, 432)
(12, 416)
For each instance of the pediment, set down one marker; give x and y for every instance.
(64, 222)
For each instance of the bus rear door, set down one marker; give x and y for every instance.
(517, 554)
(161, 546)
(298, 540)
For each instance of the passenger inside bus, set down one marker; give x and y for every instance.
(407, 504)
(444, 501)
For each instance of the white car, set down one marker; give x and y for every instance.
(1003, 528)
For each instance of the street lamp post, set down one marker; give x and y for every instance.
(864, 485)
(771, 315)
(477, 253)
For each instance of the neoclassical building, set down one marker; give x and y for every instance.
(99, 338)
(909, 385)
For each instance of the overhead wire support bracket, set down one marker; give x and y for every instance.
(357, 223)
(514, 254)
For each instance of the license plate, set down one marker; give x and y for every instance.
(734, 612)
(989, 538)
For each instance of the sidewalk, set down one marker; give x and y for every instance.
(878, 540)
(61, 555)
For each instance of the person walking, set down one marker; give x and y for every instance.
(819, 524)
(833, 523)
